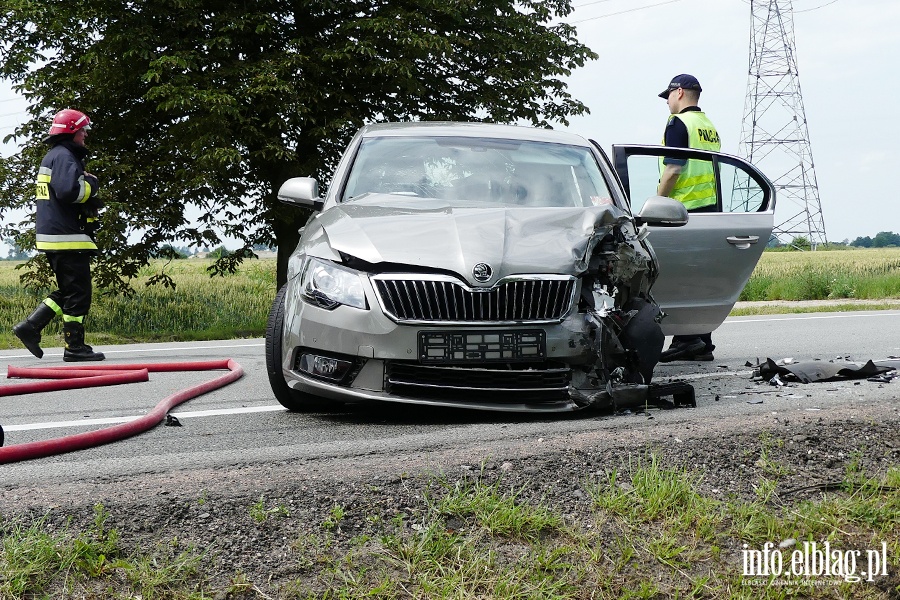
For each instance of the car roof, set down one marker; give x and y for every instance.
(466, 129)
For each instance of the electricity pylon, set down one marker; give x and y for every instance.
(774, 136)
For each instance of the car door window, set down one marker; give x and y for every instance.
(643, 173)
(740, 192)
(737, 190)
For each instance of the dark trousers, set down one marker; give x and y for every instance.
(73, 277)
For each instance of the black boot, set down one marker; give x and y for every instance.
(76, 350)
(29, 330)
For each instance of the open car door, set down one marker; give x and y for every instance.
(704, 265)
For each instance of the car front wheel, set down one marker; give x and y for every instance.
(288, 397)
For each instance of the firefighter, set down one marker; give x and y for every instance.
(66, 218)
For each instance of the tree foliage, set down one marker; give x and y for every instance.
(882, 239)
(203, 108)
(17, 253)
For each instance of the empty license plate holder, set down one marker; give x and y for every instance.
(473, 346)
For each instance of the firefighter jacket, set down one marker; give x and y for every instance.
(67, 202)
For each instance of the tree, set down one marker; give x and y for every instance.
(801, 243)
(16, 253)
(220, 252)
(884, 239)
(171, 252)
(208, 106)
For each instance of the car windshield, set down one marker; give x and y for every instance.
(478, 170)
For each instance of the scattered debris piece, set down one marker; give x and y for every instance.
(172, 421)
(775, 380)
(885, 378)
(817, 370)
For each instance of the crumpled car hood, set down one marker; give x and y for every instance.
(455, 236)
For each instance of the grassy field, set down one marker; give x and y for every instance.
(865, 273)
(202, 308)
(199, 308)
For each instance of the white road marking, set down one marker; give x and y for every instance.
(115, 420)
(734, 320)
(707, 375)
(137, 350)
(183, 348)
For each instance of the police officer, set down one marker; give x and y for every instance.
(691, 182)
(67, 208)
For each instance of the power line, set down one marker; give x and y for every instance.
(816, 8)
(590, 3)
(622, 12)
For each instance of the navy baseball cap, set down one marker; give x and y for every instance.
(683, 81)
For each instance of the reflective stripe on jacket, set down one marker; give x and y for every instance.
(65, 197)
(696, 184)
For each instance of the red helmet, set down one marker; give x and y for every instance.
(69, 121)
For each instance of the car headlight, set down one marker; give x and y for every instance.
(328, 285)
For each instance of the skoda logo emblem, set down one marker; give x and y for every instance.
(482, 272)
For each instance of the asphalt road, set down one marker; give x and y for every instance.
(242, 425)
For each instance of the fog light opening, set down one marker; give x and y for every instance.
(324, 367)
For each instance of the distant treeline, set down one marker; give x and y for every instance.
(883, 239)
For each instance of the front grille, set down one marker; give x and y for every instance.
(439, 299)
(538, 382)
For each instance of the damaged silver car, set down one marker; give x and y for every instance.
(503, 268)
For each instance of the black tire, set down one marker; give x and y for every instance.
(289, 398)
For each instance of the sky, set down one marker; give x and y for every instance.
(846, 51)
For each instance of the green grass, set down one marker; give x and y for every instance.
(260, 512)
(496, 512)
(650, 531)
(199, 308)
(38, 559)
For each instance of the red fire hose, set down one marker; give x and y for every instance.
(80, 376)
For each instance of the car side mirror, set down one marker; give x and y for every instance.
(303, 191)
(662, 212)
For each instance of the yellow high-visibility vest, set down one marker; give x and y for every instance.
(696, 185)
